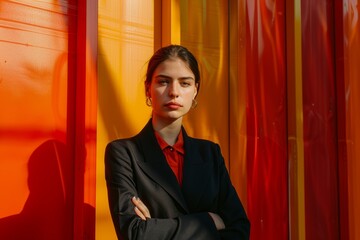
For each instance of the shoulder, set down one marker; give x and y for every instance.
(202, 142)
(197, 141)
(204, 145)
(122, 142)
(121, 146)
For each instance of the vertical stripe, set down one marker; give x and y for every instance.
(340, 39)
(170, 22)
(237, 98)
(295, 122)
(319, 118)
(266, 145)
(299, 121)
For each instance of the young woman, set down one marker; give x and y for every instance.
(163, 184)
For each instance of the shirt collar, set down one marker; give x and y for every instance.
(178, 146)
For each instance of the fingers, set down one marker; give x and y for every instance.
(219, 223)
(140, 208)
(139, 213)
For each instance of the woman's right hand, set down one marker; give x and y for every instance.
(140, 208)
(219, 223)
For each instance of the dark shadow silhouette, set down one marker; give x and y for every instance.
(48, 211)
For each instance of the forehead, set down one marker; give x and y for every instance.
(173, 67)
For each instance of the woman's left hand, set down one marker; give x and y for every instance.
(140, 208)
(219, 223)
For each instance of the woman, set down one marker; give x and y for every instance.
(163, 184)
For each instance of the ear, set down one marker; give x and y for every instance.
(195, 92)
(147, 90)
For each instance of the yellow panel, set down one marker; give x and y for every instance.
(204, 30)
(125, 45)
(237, 98)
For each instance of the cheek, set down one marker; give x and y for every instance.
(156, 94)
(152, 92)
(189, 97)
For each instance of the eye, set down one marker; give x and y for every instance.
(163, 81)
(185, 83)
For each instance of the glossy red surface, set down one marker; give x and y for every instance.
(347, 47)
(319, 113)
(266, 116)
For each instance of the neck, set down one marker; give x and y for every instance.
(169, 131)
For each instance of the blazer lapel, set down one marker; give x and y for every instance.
(195, 173)
(156, 166)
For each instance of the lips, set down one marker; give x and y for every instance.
(173, 105)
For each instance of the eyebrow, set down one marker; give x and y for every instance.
(168, 77)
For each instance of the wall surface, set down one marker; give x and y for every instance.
(47, 130)
(279, 93)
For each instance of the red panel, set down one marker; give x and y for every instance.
(83, 123)
(266, 120)
(319, 112)
(341, 119)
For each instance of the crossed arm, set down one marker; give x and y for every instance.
(143, 212)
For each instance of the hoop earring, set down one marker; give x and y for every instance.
(148, 101)
(194, 103)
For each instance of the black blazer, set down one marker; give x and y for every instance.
(137, 167)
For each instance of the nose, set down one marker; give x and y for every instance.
(174, 90)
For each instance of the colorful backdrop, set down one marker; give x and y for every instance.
(279, 94)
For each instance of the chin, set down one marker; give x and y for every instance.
(174, 116)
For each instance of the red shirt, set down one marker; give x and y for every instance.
(174, 155)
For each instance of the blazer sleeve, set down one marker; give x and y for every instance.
(231, 210)
(121, 187)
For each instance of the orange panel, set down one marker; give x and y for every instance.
(47, 108)
(36, 169)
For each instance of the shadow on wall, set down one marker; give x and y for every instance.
(48, 211)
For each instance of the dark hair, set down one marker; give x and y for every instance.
(172, 51)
